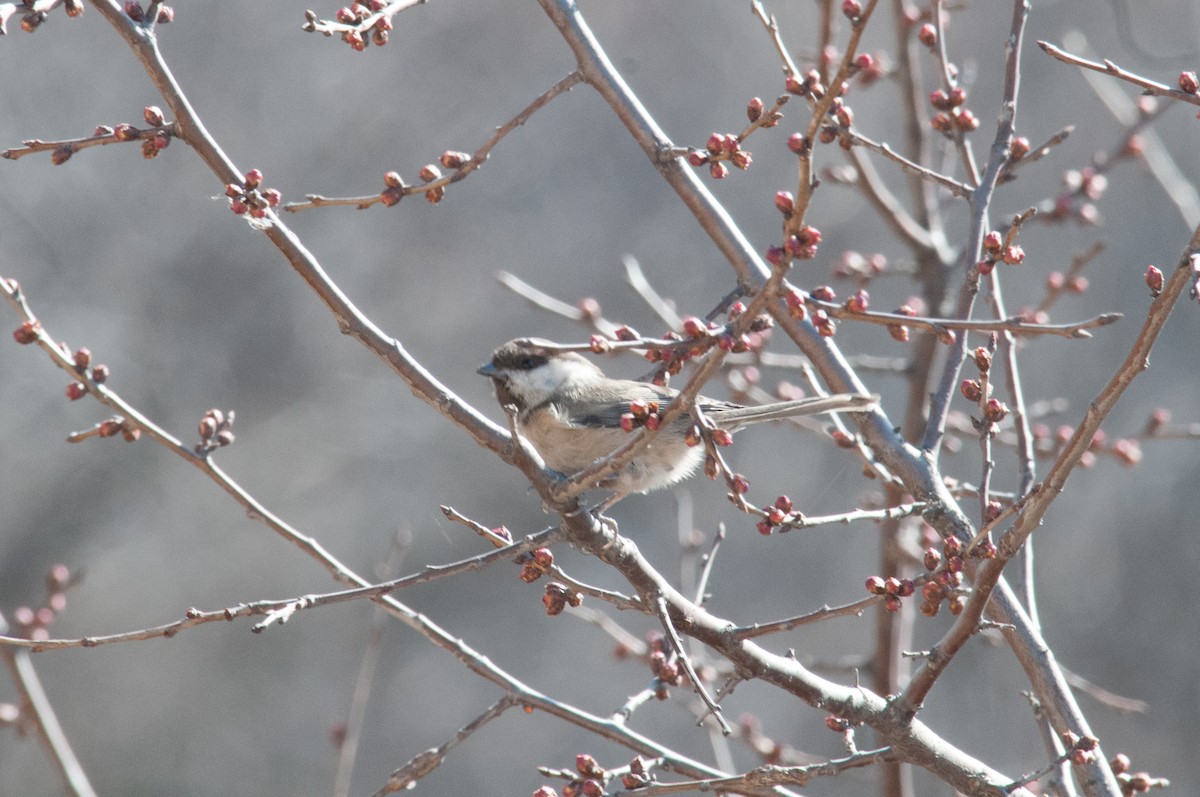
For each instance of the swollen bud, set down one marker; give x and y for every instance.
(927, 35)
(1154, 280)
(754, 109)
(454, 160)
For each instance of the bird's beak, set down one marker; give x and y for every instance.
(487, 369)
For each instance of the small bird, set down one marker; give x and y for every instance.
(572, 414)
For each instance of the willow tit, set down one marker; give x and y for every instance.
(572, 414)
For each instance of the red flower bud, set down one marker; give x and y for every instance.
(983, 359)
(859, 302)
(795, 304)
(965, 121)
(27, 333)
(1154, 279)
(927, 35)
(754, 109)
(454, 160)
(799, 143)
(1012, 255)
(125, 132)
(995, 410)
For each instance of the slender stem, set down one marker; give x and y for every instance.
(37, 704)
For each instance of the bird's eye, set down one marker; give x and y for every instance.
(528, 363)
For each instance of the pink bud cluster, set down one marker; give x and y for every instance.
(996, 250)
(31, 622)
(641, 413)
(892, 589)
(558, 596)
(356, 15)
(216, 430)
(720, 149)
(778, 514)
(154, 140)
(535, 564)
(250, 198)
(799, 245)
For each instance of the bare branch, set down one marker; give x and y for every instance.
(1151, 87)
(461, 171)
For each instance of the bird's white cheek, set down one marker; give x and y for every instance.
(541, 382)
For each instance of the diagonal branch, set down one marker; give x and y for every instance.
(1149, 86)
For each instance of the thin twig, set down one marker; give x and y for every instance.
(1163, 167)
(476, 160)
(768, 776)
(1149, 86)
(73, 145)
(710, 559)
(844, 518)
(824, 613)
(1015, 325)
(664, 309)
(664, 617)
(36, 704)
(277, 612)
(956, 188)
(407, 776)
(363, 682)
(545, 301)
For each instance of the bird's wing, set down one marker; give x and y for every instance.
(605, 403)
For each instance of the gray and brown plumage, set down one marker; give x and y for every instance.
(571, 413)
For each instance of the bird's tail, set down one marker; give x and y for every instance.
(840, 402)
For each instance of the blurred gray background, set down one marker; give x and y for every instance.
(142, 262)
